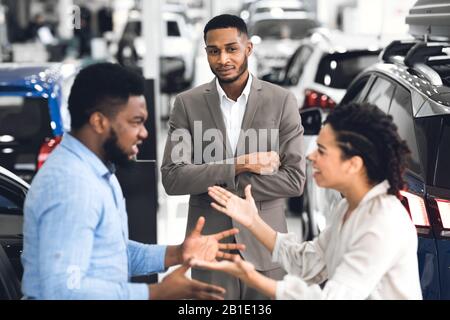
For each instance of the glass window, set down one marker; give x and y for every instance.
(355, 93)
(401, 111)
(295, 69)
(24, 125)
(11, 215)
(339, 69)
(172, 29)
(381, 94)
(24, 118)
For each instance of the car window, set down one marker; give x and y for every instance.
(298, 63)
(401, 111)
(11, 215)
(24, 118)
(381, 93)
(442, 166)
(356, 90)
(339, 69)
(172, 29)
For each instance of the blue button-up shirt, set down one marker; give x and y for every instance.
(76, 242)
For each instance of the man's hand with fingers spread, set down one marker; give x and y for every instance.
(177, 286)
(208, 247)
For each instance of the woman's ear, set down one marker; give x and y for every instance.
(99, 122)
(356, 164)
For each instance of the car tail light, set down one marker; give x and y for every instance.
(416, 208)
(444, 212)
(46, 148)
(314, 99)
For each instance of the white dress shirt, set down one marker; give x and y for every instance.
(233, 112)
(373, 255)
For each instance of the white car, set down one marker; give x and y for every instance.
(276, 36)
(325, 63)
(177, 52)
(318, 74)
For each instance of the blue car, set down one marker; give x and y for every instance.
(33, 113)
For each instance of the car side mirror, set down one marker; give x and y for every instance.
(291, 81)
(311, 121)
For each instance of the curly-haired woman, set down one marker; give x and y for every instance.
(369, 249)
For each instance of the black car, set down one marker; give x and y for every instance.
(12, 196)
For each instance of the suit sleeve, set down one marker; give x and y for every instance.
(290, 178)
(179, 174)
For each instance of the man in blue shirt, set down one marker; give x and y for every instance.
(76, 242)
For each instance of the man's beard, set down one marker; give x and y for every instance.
(242, 70)
(113, 152)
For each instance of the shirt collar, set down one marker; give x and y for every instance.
(87, 156)
(245, 92)
(377, 190)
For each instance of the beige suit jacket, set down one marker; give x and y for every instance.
(185, 171)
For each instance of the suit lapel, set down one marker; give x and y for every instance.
(253, 102)
(213, 101)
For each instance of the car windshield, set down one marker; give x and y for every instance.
(339, 69)
(23, 118)
(283, 29)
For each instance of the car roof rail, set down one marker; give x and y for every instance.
(428, 73)
(397, 48)
(422, 51)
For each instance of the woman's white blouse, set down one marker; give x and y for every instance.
(373, 255)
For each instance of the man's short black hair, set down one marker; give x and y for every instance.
(224, 21)
(102, 87)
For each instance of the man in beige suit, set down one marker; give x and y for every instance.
(234, 131)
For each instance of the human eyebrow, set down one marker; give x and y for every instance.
(139, 118)
(321, 146)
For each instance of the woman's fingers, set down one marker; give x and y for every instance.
(226, 256)
(223, 191)
(220, 198)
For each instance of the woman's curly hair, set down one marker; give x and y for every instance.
(362, 129)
